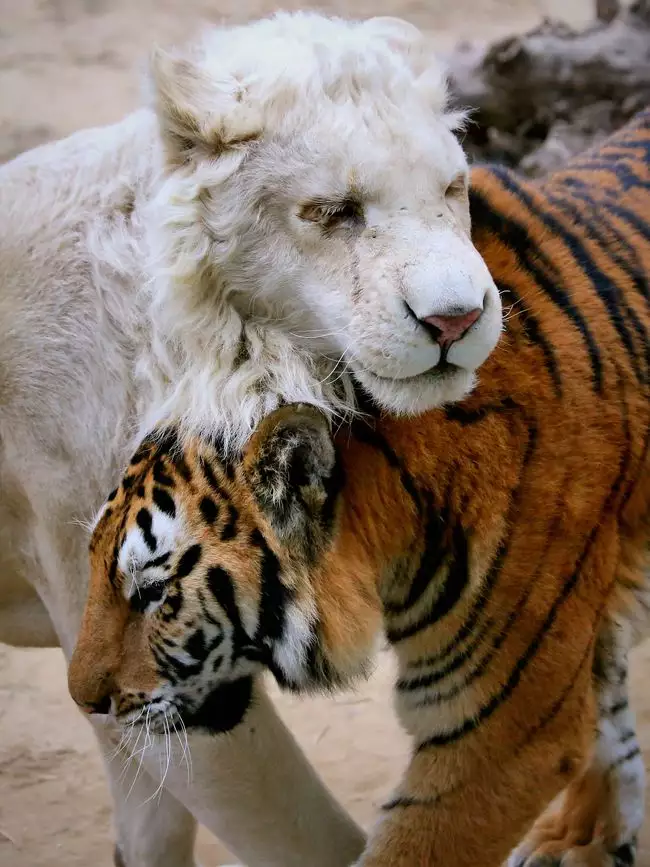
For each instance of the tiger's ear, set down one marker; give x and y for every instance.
(200, 113)
(294, 476)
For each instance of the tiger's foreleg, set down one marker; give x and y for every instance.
(486, 765)
(597, 819)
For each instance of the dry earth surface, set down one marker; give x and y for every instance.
(65, 64)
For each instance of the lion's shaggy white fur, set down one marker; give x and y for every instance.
(274, 229)
(250, 304)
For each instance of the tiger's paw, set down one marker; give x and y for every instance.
(563, 853)
(583, 829)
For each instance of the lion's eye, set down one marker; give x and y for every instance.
(346, 213)
(457, 189)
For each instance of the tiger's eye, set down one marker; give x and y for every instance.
(145, 596)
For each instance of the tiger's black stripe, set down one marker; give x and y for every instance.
(465, 415)
(565, 201)
(223, 709)
(548, 717)
(161, 560)
(164, 501)
(229, 529)
(209, 510)
(533, 332)
(221, 586)
(527, 254)
(451, 592)
(631, 269)
(603, 285)
(187, 562)
(498, 699)
(366, 432)
(491, 580)
(430, 563)
(211, 479)
(160, 475)
(584, 191)
(438, 675)
(275, 596)
(624, 173)
(145, 521)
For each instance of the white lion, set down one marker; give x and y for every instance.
(290, 219)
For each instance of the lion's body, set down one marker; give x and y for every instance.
(70, 403)
(178, 265)
(53, 392)
(505, 539)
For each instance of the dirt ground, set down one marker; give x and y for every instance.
(65, 64)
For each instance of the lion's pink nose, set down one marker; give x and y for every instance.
(445, 330)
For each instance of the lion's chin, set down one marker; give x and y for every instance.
(417, 394)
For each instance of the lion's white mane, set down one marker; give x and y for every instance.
(273, 77)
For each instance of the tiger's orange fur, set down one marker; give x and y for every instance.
(505, 539)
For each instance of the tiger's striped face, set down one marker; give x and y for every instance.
(200, 576)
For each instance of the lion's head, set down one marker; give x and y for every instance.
(315, 183)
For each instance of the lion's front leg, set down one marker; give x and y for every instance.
(152, 828)
(255, 790)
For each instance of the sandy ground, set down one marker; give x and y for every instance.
(54, 806)
(66, 64)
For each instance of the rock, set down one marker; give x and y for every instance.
(539, 98)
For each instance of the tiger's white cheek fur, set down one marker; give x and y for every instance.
(166, 530)
(133, 554)
(149, 547)
(290, 652)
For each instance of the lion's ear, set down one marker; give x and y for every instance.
(401, 35)
(200, 114)
(418, 52)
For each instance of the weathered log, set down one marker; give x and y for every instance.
(541, 97)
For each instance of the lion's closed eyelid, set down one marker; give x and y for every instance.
(311, 212)
(329, 211)
(458, 185)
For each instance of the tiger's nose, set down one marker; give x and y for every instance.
(446, 330)
(102, 705)
(90, 691)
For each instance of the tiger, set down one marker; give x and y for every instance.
(498, 544)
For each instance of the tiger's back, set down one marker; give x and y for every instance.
(571, 257)
(576, 244)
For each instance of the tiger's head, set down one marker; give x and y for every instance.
(204, 572)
